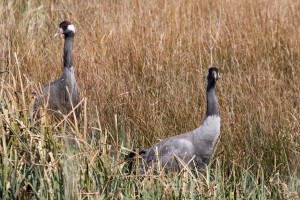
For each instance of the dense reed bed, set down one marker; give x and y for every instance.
(141, 68)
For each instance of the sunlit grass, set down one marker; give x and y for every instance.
(141, 68)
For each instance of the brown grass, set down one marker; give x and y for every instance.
(144, 63)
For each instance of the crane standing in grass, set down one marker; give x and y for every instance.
(62, 94)
(193, 149)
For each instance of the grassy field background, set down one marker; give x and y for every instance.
(141, 68)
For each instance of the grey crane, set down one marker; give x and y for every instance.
(63, 94)
(192, 149)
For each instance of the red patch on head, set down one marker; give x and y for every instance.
(69, 22)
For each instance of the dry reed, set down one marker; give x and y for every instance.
(141, 65)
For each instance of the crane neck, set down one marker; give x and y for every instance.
(211, 99)
(68, 60)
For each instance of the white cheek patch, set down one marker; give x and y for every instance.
(71, 28)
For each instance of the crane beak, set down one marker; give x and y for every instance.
(60, 31)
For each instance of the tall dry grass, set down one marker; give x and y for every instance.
(142, 65)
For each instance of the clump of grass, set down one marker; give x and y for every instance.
(141, 67)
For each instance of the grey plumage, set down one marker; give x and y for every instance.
(194, 148)
(63, 93)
